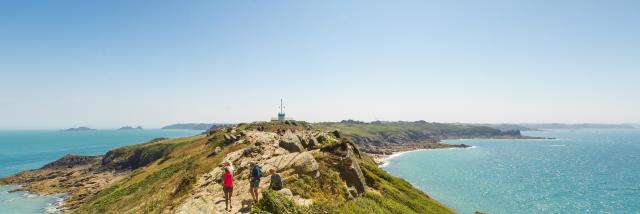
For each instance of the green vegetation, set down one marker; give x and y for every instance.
(166, 170)
(162, 184)
(276, 203)
(386, 194)
(397, 128)
(393, 195)
(329, 187)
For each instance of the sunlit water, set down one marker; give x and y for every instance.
(582, 171)
(23, 150)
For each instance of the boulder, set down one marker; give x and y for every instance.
(286, 192)
(351, 171)
(229, 138)
(291, 142)
(302, 201)
(305, 163)
(217, 150)
(336, 133)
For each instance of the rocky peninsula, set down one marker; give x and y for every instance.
(323, 172)
(381, 139)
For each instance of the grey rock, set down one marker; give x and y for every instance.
(305, 163)
(291, 142)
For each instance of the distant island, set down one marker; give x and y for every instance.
(540, 126)
(196, 126)
(130, 128)
(81, 128)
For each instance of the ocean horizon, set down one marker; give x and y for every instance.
(581, 171)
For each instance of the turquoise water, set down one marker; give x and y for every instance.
(23, 150)
(582, 171)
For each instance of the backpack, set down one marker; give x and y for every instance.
(256, 172)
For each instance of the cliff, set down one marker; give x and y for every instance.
(323, 172)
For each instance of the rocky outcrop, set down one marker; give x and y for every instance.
(127, 158)
(345, 159)
(291, 142)
(69, 161)
(305, 163)
(289, 152)
(80, 177)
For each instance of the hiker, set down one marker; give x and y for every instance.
(276, 180)
(227, 187)
(254, 180)
(229, 165)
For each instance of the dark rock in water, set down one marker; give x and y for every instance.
(81, 128)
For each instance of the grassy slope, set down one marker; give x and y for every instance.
(441, 130)
(397, 128)
(395, 195)
(386, 194)
(164, 184)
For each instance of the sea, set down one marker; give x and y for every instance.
(24, 150)
(580, 171)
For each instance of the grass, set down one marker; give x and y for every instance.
(385, 193)
(276, 203)
(408, 128)
(394, 195)
(163, 184)
(328, 187)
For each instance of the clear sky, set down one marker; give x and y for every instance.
(151, 63)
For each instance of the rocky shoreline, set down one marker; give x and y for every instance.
(381, 153)
(79, 177)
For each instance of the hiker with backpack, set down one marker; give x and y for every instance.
(254, 180)
(276, 180)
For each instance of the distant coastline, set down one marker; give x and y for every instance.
(196, 126)
(81, 128)
(552, 126)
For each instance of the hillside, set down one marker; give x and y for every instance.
(389, 137)
(195, 126)
(324, 172)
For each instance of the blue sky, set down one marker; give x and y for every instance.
(151, 63)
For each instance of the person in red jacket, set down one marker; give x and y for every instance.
(227, 187)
